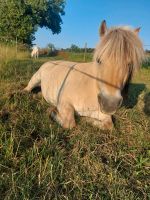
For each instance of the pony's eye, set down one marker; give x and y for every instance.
(98, 60)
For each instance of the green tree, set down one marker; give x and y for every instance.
(51, 47)
(21, 18)
(74, 48)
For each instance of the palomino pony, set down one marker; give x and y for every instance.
(94, 89)
(35, 52)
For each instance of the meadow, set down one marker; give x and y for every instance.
(40, 160)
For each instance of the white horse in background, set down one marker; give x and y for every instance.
(35, 52)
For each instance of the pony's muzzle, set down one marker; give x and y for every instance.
(109, 104)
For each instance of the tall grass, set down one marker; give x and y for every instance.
(76, 57)
(8, 53)
(40, 160)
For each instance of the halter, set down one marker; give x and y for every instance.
(98, 60)
(63, 83)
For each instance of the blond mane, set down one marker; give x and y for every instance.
(122, 47)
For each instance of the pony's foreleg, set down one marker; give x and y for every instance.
(34, 82)
(102, 124)
(99, 119)
(64, 115)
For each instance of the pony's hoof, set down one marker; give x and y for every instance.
(108, 126)
(52, 111)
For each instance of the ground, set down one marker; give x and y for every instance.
(40, 160)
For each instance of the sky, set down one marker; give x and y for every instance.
(83, 17)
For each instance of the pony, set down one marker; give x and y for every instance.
(35, 52)
(92, 90)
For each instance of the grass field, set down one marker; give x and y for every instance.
(40, 160)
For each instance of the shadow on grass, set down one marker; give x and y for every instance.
(147, 104)
(134, 91)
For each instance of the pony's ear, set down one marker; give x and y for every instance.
(103, 28)
(137, 30)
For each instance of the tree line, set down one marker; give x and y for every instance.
(77, 49)
(51, 50)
